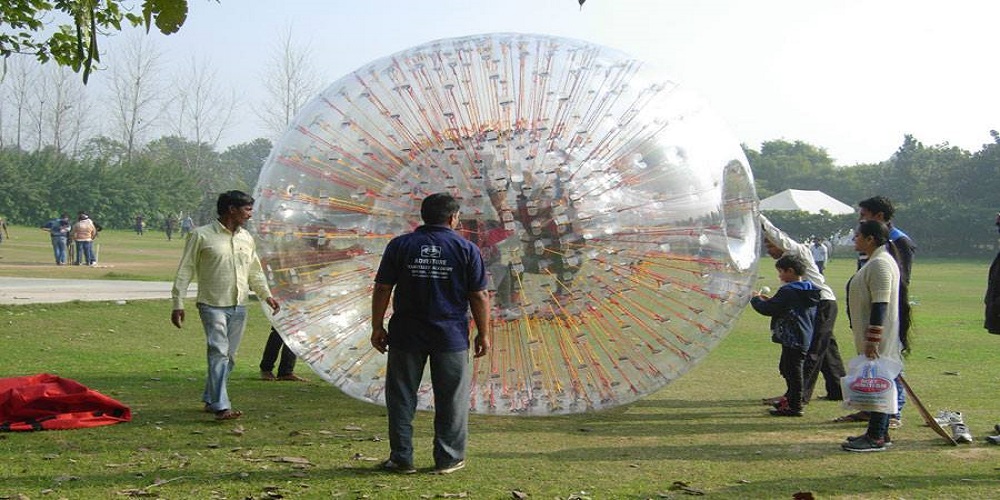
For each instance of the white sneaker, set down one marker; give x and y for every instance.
(451, 468)
(948, 417)
(960, 433)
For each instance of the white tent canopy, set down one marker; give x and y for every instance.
(807, 201)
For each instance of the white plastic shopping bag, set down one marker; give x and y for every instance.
(869, 384)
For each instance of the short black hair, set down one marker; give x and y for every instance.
(879, 205)
(438, 208)
(232, 199)
(793, 262)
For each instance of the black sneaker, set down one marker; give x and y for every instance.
(864, 444)
(887, 440)
(390, 466)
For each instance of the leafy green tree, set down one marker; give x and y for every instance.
(244, 162)
(782, 165)
(24, 27)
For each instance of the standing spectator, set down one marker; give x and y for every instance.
(819, 254)
(902, 249)
(824, 353)
(169, 225)
(84, 231)
(187, 225)
(3, 230)
(873, 311)
(222, 258)
(59, 230)
(437, 275)
(793, 316)
(286, 367)
(140, 224)
(900, 246)
(992, 299)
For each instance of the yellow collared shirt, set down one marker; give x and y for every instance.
(223, 263)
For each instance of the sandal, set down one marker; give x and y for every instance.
(861, 416)
(228, 414)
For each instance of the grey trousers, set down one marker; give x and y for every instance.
(450, 377)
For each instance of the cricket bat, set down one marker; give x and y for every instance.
(928, 418)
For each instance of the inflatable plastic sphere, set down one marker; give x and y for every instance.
(614, 211)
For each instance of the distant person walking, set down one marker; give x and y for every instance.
(187, 225)
(169, 225)
(819, 254)
(222, 258)
(59, 230)
(83, 233)
(437, 275)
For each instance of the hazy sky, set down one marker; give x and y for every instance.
(852, 76)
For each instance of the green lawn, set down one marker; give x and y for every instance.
(706, 430)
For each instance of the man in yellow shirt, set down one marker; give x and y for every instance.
(222, 258)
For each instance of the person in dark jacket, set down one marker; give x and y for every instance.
(992, 299)
(793, 314)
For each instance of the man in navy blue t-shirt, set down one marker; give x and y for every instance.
(438, 276)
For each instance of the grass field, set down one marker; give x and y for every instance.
(706, 431)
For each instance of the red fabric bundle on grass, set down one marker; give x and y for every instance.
(48, 402)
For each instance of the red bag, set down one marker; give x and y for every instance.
(40, 402)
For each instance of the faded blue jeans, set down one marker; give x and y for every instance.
(223, 331)
(84, 252)
(59, 249)
(451, 374)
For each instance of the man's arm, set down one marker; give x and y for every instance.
(380, 303)
(185, 273)
(480, 304)
(776, 236)
(258, 283)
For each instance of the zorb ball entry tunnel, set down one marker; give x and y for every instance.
(614, 211)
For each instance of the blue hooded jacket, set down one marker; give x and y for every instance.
(793, 313)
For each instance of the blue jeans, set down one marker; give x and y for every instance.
(878, 425)
(900, 397)
(223, 331)
(450, 377)
(85, 250)
(59, 249)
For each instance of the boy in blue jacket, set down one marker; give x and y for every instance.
(793, 313)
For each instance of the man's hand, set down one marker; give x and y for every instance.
(380, 339)
(177, 317)
(275, 306)
(482, 345)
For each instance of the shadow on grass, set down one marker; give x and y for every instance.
(891, 485)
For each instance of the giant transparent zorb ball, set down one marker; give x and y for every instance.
(614, 211)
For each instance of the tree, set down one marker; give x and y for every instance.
(201, 110)
(64, 111)
(289, 82)
(781, 165)
(136, 93)
(20, 85)
(25, 27)
(244, 162)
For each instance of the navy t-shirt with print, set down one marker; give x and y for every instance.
(433, 270)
